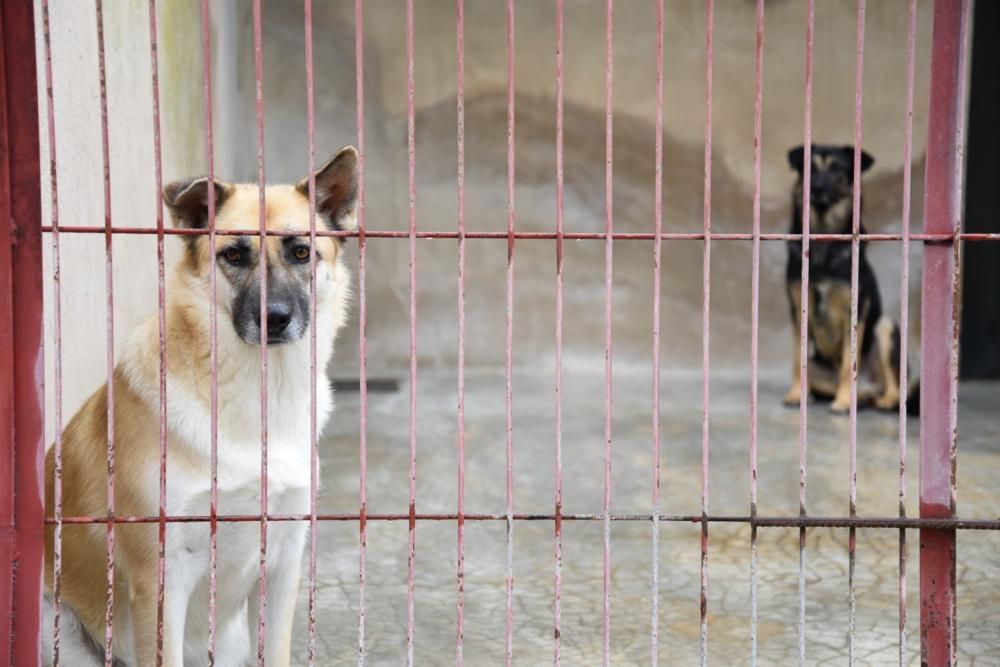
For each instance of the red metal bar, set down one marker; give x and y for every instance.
(258, 61)
(213, 340)
(110, 351)
(608, 316)
(904, 314)
(313, 317)
(853, 409)
(509, 624)
(541, 236)
(162, 328)
(657, 274)
(56, 338)
(760, 521)
(411, 171)
(21, 475)
(804, 321)
(460, 87)
(460, 182)
(359, 49)
(560, 201)
(939, 342)
(705, 324)
(755, 314)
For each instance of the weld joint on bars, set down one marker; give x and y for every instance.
(759, 521)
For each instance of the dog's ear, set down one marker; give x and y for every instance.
(866, 159)
(796, 158)
(337, 190)
(188, 200)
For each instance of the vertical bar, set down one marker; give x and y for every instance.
(755, 316)
(904, 314)
(110, 350)
(460, 109)
(509, 624)
(162, 327)
(657, 257)
(608, 316)
(705, 325)
(411, 179)
(313, 312)
(804, 320)
(853, 409)
(560, 194)
(258, 61)
(213, 341)
(939, 342)
(56, 338)
(21, 523)
(359, 31)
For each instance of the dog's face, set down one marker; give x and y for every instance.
(831, 177)
(238, 258)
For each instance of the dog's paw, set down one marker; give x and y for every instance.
(887, 402)
(841, 405)
(792, 398)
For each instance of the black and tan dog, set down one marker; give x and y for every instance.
(831, 198)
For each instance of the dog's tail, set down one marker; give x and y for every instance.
(76, 646)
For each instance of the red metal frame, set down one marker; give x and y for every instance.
(22, 515)
(22, 491)
(939, 343)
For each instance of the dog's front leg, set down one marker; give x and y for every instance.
(144, 615)
(286, 541)
(794, 395)
(842, 401)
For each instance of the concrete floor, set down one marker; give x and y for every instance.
(826, 570)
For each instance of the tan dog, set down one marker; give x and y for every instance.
(136, 434)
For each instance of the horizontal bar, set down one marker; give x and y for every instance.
(760, 521)
(578, 236)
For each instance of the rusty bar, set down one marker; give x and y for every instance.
(705, 324)
(213, 338)
(362, 518)
(755, 314)
(56, 337)
(853, 409)
(560, 201)
(258, 61)
(542, 236)
(509, 395)
(657, 275)
(460, 181)
(313, 313)
(760, 521)
(411, 180)
(161, 312)
(904, 314)
(939, 341)
(110, 348)
(804, 321)
(608, 314)
(21, 322)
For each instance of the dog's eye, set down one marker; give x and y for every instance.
(233, 255)
(301, 253)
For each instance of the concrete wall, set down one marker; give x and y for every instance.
(133, 193)
(485, 123)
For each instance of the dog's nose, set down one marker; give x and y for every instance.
(279, 315)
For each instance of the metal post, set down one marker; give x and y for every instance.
(939, 342)
(21, 394)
